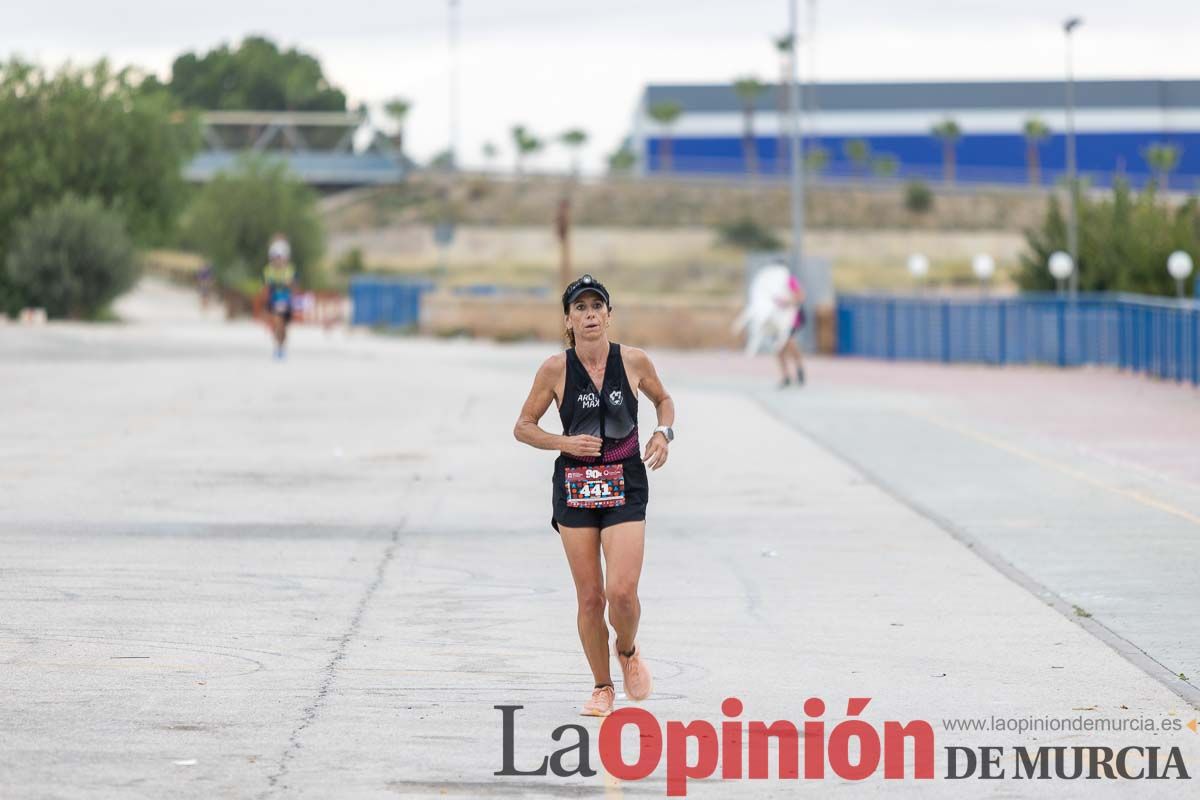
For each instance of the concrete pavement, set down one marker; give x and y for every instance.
(221, 576)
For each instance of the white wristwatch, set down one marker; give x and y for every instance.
(667, 431)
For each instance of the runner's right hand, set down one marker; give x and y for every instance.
(582, 446)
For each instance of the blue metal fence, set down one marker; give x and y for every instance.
(389, 302)
(396, 302)
(1155, 336)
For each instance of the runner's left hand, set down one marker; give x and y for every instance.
(656, 451)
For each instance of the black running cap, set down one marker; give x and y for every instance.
(586, 283)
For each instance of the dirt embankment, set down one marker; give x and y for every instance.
(651, 237)
(483, 200)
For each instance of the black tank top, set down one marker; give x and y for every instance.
(610, 413)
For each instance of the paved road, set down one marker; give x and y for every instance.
(222, 576)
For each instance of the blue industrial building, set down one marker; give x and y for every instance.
(1116, 123)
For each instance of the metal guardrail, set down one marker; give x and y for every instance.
(1155, 336)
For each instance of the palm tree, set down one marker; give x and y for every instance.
(397, 108)
(1036, 132)
(665, 113)
(490, 151)
(525, 144)
(784, 45)
(574, 140)
(748, 90)
(1162, 158)
(858, 152)
(949, 133)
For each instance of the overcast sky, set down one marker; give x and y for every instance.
(555, 64)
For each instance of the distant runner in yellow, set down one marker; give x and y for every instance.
(279, 277)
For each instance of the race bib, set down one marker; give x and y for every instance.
(599, 486)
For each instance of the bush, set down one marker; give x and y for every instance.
(918, 197)
(748, 234)
(92, 132)
(1124, 242)
(235, 215)
(351, 263)
(72, 258)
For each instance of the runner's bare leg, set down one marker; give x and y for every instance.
(624, 547)
(582, 546)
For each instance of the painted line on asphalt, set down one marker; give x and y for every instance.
(612, 786)
(1072, 472)
(1125, 648)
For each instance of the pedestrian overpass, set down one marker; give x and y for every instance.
(323, 148)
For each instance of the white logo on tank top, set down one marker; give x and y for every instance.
(589, 400)
(615, 397)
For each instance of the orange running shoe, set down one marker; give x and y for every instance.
(601, 704)
(636, 674)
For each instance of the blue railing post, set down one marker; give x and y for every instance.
(1002, 324)
(1179, 318)
(1062, 333)
(1122, 336)
(1196, 346)
(946, 331)
(890, 327)
(1144, 339)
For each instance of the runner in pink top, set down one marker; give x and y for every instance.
(791, 347)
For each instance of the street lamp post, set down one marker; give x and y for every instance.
(984, 267)
(918, 267)
(1072, 178)
(1179, 264)
(453, 41)
(1062, 266)
(794, 135)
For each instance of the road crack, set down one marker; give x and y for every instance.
(312, 711)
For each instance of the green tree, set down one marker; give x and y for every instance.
(1124, 241)
(748, 90)
(525, 144)
(747, 233)
(622, 161)
(397, 108)
(93, 132)
(666, 113)
(444, 160)
(490, 152)
(885, 165)
(858, 153)
(948, 133)
(351, 263)
(574, 140)
(1036, 132)
(784, 46)
(256, 76)
(235, 215)
(816, 159)
(71, 258)
(1163, 159)
(918, 197)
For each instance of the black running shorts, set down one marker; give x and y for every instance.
(637, 494)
